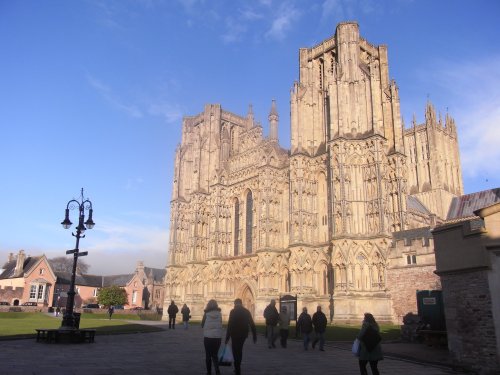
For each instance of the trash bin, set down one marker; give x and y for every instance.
(77, 320)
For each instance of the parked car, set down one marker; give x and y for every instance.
(3, 303)
(137, 308)
(118, 307)
(29, 304)
(91, 306)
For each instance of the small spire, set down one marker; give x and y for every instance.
(273, 122)
(250, 118)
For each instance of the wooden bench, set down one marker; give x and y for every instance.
(87, 335)
(47, 334)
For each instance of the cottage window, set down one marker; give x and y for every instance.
(134, 296)
(40, 292)
(33, 292)
(42, 271)
(411, 259)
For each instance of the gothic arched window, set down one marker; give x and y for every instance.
(236, 238)
(249, 223)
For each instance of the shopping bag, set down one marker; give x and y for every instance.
(225, 356)
(355, 348)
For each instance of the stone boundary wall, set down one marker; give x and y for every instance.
(403, 279)
(469, 320)
(403, 284)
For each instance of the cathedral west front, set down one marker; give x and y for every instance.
(342, 219)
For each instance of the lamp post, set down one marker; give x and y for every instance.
(68, 322)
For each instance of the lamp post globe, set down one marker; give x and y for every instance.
(69, 322)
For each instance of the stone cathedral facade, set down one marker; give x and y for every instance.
(325, 219)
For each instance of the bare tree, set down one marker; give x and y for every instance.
(65, 264)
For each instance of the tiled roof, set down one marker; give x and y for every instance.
(465, 205)
(414, 203)
(158, 273)
(9, 267)
(119, 280)
(94, 280)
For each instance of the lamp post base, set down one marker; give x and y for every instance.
(70, 322)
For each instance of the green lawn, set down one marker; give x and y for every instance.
(344, 332)
(22, 324)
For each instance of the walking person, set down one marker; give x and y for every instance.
(284, 322)
(172, 312)
(272, 317)
(239, 323)
(111, 310)
(370, 349)
(305, 327)
(212, 334)
(319, 322)
(185, 311)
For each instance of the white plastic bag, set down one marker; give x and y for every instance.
(225, 356)
(355, 348)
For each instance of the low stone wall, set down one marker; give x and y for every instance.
(469, 320)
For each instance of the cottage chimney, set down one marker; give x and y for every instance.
(140, 267)
(11, 257)
(21, 257)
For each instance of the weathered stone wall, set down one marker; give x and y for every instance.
(9, 294)
(403, 284)
(403, 279)
(469, 320)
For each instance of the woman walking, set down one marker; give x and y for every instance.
(185, 311)
(212, 332)
(370, 348)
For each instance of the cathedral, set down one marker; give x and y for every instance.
(342, 219)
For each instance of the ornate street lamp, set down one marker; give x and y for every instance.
(68, 322)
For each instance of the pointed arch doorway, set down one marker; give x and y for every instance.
(248, 299)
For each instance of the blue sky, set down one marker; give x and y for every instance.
(92, 95)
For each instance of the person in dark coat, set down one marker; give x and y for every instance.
(284, 326)
(272, 316)
(370, 349)
(238, 325)
(172, 312)
(305, 327)
(185, 311)
(111, 310)
(319, 322)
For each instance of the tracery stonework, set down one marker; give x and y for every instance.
(252, 220)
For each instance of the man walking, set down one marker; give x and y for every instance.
(319, 322)
(172, 312)
(238, 325)
(111, 310)
(284, 326)
(304, 326)
(272, 316)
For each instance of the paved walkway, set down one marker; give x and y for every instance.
(181, 352)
